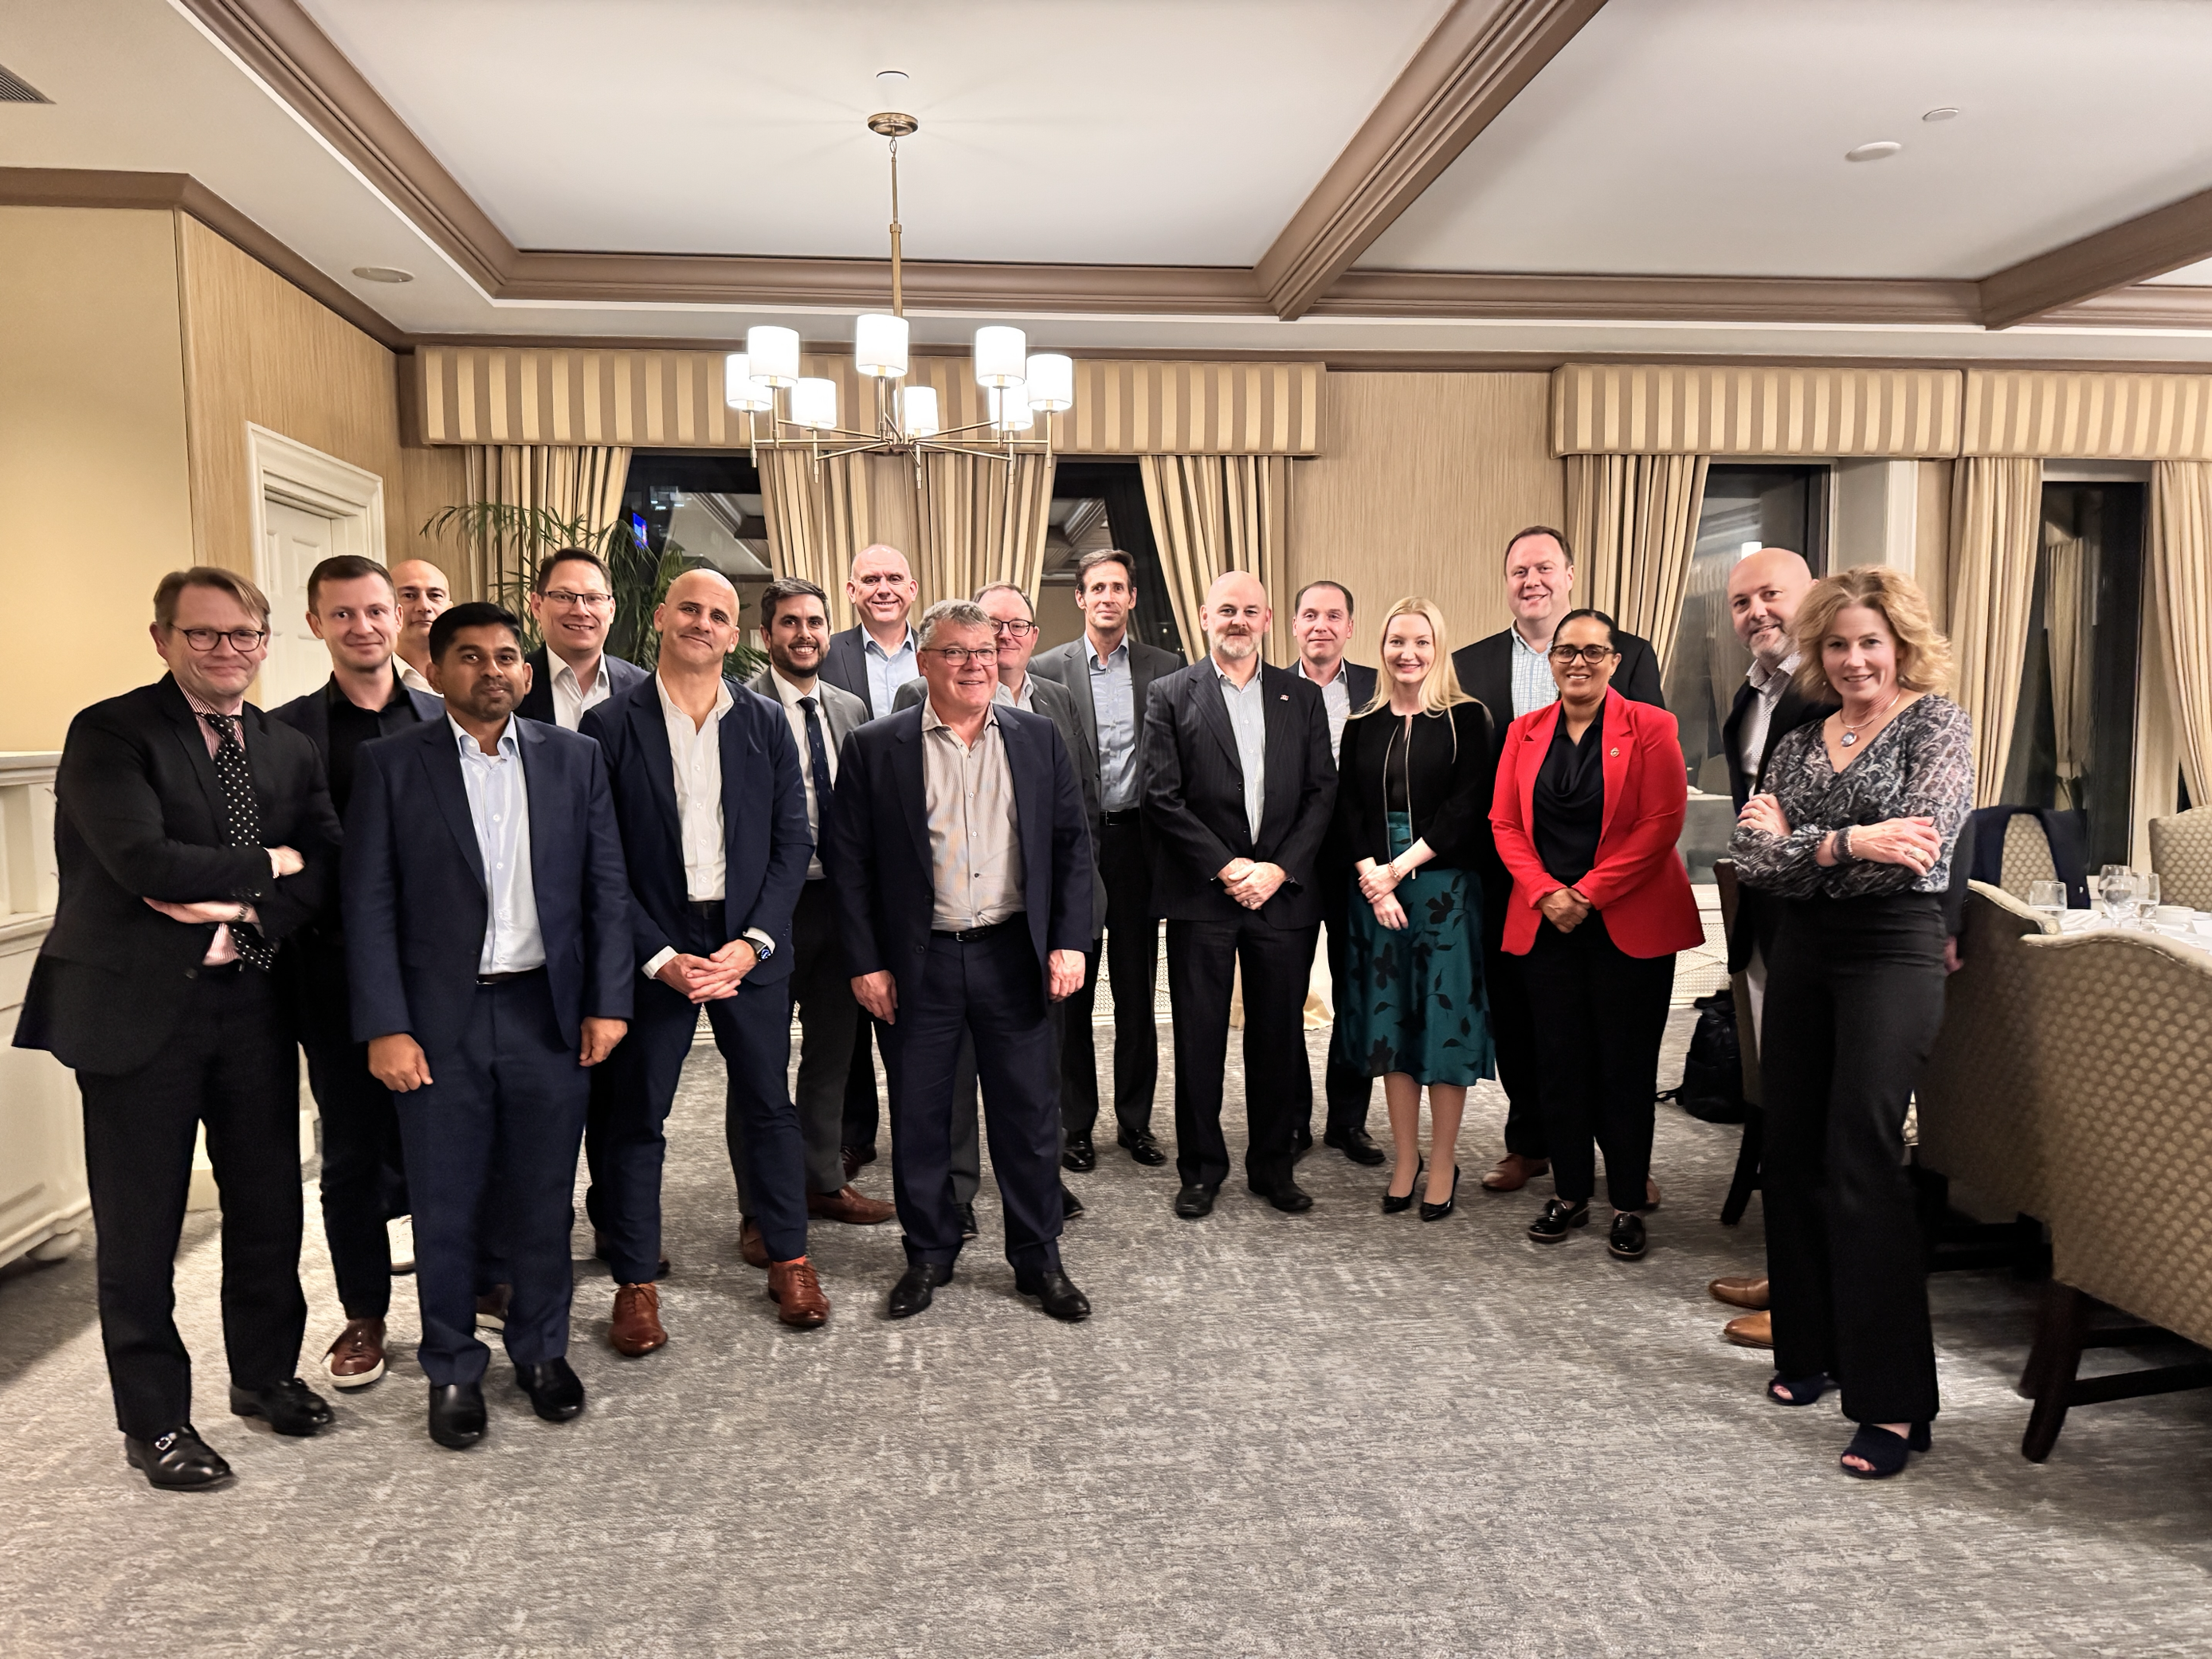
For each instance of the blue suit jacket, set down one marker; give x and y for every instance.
(880, 840)
(414, 896)
(766, 843)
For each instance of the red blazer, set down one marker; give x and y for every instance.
(1639, 884)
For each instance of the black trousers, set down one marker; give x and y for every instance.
(1203, 958)
(231, 1065)
(1601, 1015)
(1854, 999)
(1349, 1088)
(863, 1111)
(992, 990)
(967, 1120)
(829, 1021)
(1512, 1030)
(364, 1174)
(1131, 953)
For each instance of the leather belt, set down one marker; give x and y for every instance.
(1130, 815)
(503, 979)
(970, 935)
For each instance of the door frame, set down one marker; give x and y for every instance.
(298, 475)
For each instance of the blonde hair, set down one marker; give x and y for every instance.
(1923, 655)
(1440, 686)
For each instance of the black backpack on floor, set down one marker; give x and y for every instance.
(1712, 1076)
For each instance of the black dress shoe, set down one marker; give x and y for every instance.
(556, 1393)
(1080, 1156)
(179, 1460)
(1070, 1205)
(1057, 1292)
(1288, 1197)
(1626, 1240)
(1301, 1143)
(1140, 1146)
(457, 1414)
(1194, 1201)
(967, 1221)
(1556, 1218)
(291, 1406)
(1355, 1143)
(917, 1287)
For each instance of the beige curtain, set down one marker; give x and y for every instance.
(981, 520)
(821, 512)
(568, 480)
(2066, 636)
(2181, 580)
(1996, 519)
(1215, 513)
(1633, 520)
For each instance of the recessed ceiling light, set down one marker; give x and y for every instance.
(891, 80)
(1880, 151)
(383, 274)
(1941, 112)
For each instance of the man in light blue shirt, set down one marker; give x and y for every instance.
(501, 813)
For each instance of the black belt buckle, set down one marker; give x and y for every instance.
(970, 935)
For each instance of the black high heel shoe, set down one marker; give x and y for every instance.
(1438, 1211)
(1393, 1205)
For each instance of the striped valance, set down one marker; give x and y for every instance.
(673, 400)
(2062, 416)
(1645, 409)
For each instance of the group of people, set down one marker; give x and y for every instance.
(488, 891)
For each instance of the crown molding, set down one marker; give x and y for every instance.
(2061, 280)
(1475, 295)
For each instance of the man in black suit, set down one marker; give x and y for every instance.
(1239, 788)
(713, 825)
(1322, 623)
(1112, 675)
(489, 947)
(1509, 673)
(963, 873)
(573, 602)
(194, 837)
(352, 610)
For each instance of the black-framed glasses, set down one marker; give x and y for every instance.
(1567, 655)
(1019, 628)
(563, 596)
(242, 639)
(959, 656)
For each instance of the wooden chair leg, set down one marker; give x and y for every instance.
(1747, 1161)
(2051, 1366)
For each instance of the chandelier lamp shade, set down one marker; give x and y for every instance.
(786, 409)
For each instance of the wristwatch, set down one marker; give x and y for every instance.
(763, 946)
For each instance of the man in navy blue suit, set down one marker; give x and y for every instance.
(963, 855)
(713, 812)
(490, 967)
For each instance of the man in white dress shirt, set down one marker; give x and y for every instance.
(423, 595)
(572, 601)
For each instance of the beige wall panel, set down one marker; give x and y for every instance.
(96, 499)
(1426, 477)
(430, 481)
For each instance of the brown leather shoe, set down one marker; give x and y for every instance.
(854, 1157)
(636, 1329)
(1512, 1172)
(797, 1293)
(751, 1245)
(851, 1205)
(356, 1359)
(1754, 1330)
(1745, 1292)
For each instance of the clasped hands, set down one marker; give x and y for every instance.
(1251, 882)
(1911, 843)
(1378, 885)
(1565, 908)
(709, 979)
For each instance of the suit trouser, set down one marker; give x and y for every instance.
(992, 990)
(863, 1110)
(829, 1021)
(1854, 999)
(967, 1121)
(364, 1181)
(1131, 953)
(505, 1115)
(229, 1063)
(1512, 1030)
(1349, 1087)
(1603, 1015)
(1203, 958)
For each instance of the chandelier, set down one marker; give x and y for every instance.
(786, 410)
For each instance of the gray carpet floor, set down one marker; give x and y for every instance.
(1334, 1434)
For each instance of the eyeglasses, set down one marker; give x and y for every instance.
(243, 640)
(563, 596)
(1567, 655)
(959, 656)
(1019, 629)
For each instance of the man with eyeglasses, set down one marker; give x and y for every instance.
(195, 839)
(1509, 672)
(573, 603)
(423, 595)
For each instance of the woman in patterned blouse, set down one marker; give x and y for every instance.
(1855, 840)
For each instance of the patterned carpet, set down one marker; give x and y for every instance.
(1334, 1434)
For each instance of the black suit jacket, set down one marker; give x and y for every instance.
(139, 816)
(1486, 672)
(766, 844)
(879, 842)
(1194, 796)
(538, 704)
(1333, 864)
(1069, 665)
(845, 664)
(415, 900)
(1755, 916)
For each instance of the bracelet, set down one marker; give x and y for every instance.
(1843, 846)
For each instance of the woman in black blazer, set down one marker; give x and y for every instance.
(1414, 779)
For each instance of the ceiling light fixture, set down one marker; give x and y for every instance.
(1020, 385)
(1941, 112)
(383, 274)
(1880, 151)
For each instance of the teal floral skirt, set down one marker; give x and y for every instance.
(1412, 1000)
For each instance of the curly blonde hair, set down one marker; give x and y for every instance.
(1923, 655)
(1440, 687)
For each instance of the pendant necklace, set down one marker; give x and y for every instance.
(1851, 733)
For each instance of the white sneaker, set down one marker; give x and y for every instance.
(399, 1234)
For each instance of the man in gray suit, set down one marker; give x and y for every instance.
(1111, 675)
(795, 624)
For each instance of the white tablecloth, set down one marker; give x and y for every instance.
(2197, 936)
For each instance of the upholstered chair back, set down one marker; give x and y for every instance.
(2181, 853)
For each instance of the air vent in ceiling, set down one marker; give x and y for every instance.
(14, 91)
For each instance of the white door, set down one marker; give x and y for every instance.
(298, 541)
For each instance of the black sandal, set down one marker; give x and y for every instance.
(1884, 1452)
(1798, 1390)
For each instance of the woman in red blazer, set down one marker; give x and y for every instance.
(1588, 804)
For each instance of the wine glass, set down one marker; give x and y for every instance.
(2115, 886)
(2048, 898)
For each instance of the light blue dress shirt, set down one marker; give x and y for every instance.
(1533, 688)
(499, 807)
(887, 671)
(1248, 718)
(1114, 704)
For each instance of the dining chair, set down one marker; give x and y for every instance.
(2181, 853)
